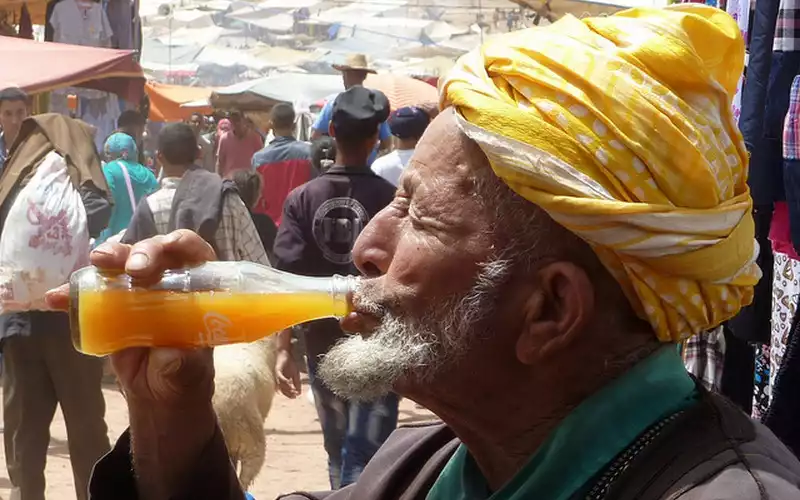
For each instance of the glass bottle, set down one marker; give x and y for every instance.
(213, 304)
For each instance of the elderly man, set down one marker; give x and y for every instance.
(582, 207)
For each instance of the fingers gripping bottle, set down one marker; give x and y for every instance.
(214, 304)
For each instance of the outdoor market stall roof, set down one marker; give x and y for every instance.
(354, 10)
(396, 30)
(44, 66)
(295, 88)
(166, 101)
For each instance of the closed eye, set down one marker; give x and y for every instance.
(401, 204)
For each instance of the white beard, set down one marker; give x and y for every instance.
(364, 369)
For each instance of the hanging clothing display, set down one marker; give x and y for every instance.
(101, 112)
(761, 388)
(704, 357)
(48, 28)
(80, 22)
(740, 11)
(25, 23)
(137, 28)
(785, 238)
(121, 19)
(84, 22)
(784, 411)
(787, 27)
(785, 299)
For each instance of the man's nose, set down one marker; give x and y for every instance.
(374, 248)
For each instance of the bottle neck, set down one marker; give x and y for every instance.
(338, 289)
(248, 277)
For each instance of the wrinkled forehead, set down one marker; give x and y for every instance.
(445, 155)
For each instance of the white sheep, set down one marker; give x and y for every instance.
(244, 388)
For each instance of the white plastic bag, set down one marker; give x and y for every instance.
(45, 238)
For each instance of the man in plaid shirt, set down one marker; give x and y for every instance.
(235, 238)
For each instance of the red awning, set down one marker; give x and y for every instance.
(43, 66)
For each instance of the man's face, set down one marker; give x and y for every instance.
(12, 114)
(196, 122)
(238, 123)
(432, 282)
(351, 78)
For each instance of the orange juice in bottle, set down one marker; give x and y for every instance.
(214, 304)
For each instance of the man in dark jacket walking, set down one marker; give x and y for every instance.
(321, 221)
(283, 165)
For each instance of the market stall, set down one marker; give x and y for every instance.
(262, 94)
(167, 102)
(41, 67)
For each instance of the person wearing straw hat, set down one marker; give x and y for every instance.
(354, 71)
(580, 209)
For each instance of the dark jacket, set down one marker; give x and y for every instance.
(284, 165)
(267, 231)
(321, 221)
(323, 218)
(711, 451)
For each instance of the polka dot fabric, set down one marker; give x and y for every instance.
(621, 128)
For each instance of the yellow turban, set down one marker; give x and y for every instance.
(621, 129)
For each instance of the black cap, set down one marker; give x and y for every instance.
(358, 112)
(409, 122)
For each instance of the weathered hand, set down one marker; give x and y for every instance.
(163, 376)
(168, 391)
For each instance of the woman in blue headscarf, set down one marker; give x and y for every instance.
(128, 180)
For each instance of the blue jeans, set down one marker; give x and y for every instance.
(352, 431)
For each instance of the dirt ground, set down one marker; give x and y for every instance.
(295, 457)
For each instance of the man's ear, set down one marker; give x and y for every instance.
(556, 312)
(331, 131)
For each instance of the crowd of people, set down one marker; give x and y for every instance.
(531, 257)
(296, 205)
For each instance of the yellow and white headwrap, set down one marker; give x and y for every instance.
(621, 129)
